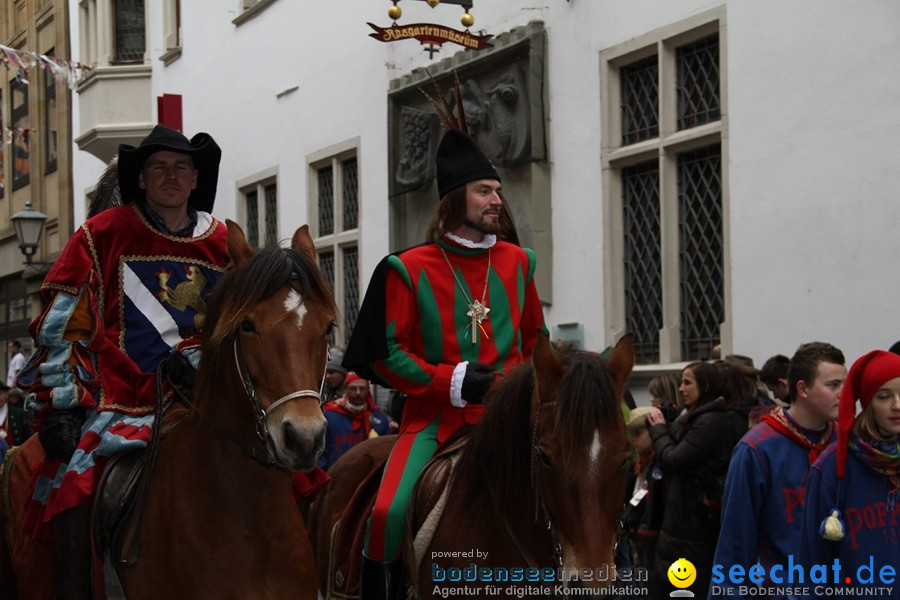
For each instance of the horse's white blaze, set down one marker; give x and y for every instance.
(294, 304)
(596, 446)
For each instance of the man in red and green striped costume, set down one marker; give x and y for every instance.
(457, 311)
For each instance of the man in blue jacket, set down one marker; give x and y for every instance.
(765, 490)
(352, 418)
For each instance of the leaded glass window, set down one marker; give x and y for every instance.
(326, 265)
(271, 192)
(701, 258)
(640, 101)
(252, 199)
(697, 87)
(351, 194)
(335, 204)
(351, 288)
(326, 201)
(662, 156)
(643, 268)
(130, 32)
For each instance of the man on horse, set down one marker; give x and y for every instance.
(127, 289)
(448, 316)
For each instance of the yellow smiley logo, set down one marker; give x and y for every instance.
(682, 573)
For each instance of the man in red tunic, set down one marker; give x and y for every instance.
(452, 314)
(127, 289)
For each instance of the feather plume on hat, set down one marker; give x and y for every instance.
(459, 159)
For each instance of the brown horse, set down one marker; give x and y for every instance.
(219, 519)
(538, 483)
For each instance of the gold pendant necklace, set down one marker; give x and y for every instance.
(478, 310)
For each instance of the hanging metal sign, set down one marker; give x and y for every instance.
(429, 33)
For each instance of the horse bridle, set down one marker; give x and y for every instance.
(262, 414)
(540, 508)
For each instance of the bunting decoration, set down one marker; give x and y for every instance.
(67, 72)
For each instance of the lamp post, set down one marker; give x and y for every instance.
(28, 223)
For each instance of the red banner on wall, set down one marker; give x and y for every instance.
(428, 33)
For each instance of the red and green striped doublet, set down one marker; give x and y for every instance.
(428, 334)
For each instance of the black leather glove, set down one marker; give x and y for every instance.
(477, 380)
(178, 370)
(61, 433)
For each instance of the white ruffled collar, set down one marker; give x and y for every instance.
(488, 242)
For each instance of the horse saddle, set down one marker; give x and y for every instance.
(115, 501)
(118, 497)
(348, 536)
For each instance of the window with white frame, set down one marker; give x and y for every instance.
(334, 207)
(664, 158)
(259, 210)
(171, 30)
(130, 35)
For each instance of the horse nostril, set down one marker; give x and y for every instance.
(291, 437)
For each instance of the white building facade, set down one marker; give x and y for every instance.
(713, 176)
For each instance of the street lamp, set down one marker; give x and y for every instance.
(28, 223)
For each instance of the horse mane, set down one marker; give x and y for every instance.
(497, 455)
(239, 290)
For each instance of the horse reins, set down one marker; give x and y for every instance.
(540, 507)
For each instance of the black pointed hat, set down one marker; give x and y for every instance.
(459, 161)
(202, 148)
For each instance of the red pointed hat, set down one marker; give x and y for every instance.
(866, 376)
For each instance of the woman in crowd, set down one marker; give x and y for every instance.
(694, 462)
(852, 498)
(664, 396)
(643, 511)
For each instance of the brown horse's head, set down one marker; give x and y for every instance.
(579, 447)
(267, 327)
(549, 453)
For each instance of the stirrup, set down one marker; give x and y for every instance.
(380, 580)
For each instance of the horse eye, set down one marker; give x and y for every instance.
(330, 330)
(247, 325)
(544, 458)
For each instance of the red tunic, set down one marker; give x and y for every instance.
(139, 294)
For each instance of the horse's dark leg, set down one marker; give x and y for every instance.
(72, 554)
(380, 580)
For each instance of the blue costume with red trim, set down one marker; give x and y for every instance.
(346, 429)
(763, 502)
(871, 516)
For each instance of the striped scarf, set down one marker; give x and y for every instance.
(882, 457)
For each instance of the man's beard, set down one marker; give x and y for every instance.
(484, 225)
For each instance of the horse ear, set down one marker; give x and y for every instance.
(621, 361)
(302, 243)
(546, 366)
(238, 248)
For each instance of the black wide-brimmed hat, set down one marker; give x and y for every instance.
(459, 161)
(202, 148)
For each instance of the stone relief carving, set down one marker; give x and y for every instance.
(497, 115)
(499, 119)
(420, 138)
